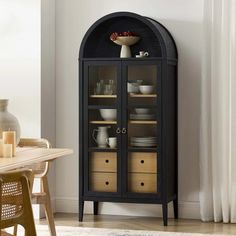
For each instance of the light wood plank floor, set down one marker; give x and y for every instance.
(143, 223)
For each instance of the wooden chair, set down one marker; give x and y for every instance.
(15, 204)
(40, 171)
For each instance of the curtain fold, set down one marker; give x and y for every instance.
(217, 151)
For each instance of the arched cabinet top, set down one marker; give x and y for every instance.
(154, 37)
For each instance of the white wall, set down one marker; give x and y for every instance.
(27, 68)
(20, 62)
(183, 18)
(48, 83)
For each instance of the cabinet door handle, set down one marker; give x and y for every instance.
(123, 131)
(118, 130)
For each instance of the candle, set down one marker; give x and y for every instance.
(7, 150)
(1, 143)
(9, 137)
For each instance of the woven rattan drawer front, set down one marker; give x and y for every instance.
(142, 183)
(103, 182)
(142, 162)
(104, 162)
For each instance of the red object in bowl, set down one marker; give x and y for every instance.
(114, 35)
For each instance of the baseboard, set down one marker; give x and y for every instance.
(187, 210)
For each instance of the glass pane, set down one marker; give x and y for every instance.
(102, 125)
(102, 128)
(103, 150)
(141, 136)
(142, 129)
(142, 84)
(102, 85)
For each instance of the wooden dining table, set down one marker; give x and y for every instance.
(32, 155)
(27, 156)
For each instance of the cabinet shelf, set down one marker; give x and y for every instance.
(97, 149)
(94, 107)
(143, 122)
(103, 122)
(154, 106)
(142, 149)
(124, 59)
(134, 95)
(103, 96)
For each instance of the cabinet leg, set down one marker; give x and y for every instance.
(81, 210)
(95, 208)
(165, 213)
(176, 211)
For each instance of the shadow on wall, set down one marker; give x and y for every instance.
(188, 38)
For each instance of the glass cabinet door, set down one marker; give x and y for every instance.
(142, 113)
(102, 119)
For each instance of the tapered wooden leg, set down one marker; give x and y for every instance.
(176, 211)
(15, 230)
(95, 208)
(29, 231)
(48, 207)
(29, 224)
(81, 210)
(165, 213)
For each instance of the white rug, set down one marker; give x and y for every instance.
(42, 230)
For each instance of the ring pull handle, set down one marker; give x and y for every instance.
(118, 131)
(123, 131)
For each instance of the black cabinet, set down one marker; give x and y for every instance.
(128, 115)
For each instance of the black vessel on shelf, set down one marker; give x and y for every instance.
(137, 170)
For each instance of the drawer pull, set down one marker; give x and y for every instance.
(123, 131)
(107, 183)
(107, 161)
(142, 161)
(118, 130)
(142, 184)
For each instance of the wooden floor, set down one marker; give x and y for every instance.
(143, 223)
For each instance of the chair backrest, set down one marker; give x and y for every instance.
(15, 204)
(40, 169)
(34, 142)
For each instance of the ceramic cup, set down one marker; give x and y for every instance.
(112, 142)
(143, 54)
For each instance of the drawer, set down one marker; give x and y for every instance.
(103, 161)
(103, 182)
(142, 162)
(142, 183)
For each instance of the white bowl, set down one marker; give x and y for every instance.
(142, 110)
(108, 114)
(146, 89)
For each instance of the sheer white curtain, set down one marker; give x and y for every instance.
(218, 113)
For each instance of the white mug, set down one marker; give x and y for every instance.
(112, 142)
(143, 54)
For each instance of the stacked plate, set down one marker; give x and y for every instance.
(143, 141)
(142, 116)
